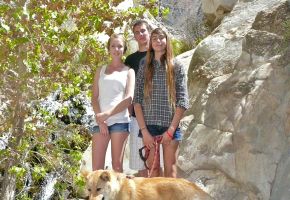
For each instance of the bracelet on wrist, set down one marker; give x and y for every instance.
(169, 134)
(143, 128)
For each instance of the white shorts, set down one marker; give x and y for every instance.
(135, 143)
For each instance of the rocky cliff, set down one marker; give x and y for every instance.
(237, 131)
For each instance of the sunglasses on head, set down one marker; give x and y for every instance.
(144, 155)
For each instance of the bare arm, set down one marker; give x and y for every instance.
(182, 102)
(147, 138)
(95, 93)
(176, 119)
(95, 103)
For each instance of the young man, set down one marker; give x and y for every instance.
(141, 30)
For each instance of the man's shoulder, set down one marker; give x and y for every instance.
(137, 54)
(133, 59)
(132, 55)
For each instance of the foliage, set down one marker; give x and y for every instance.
(197, 32)
(286, 27)
(159, 12)
(154, 7)
(48, 45)
(181, 46)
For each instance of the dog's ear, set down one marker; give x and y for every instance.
(105, 176)
(85, 173)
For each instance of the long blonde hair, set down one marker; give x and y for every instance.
(167, 60)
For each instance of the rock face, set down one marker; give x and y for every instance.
(237, 131)
(185, 15)
(185, 19)
(214, 11)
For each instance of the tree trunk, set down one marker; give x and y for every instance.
(18, 103)
(8, 186)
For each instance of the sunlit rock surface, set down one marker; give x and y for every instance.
(237, 130)
(214, 11)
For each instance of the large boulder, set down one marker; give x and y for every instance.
(237, 131)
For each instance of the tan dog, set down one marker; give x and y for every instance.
(110, 185)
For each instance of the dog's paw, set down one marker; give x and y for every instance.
(130, 176)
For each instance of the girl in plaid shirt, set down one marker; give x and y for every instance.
(160, 100)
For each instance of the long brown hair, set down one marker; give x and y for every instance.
(167, 61)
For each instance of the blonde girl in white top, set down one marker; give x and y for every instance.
(112, 93)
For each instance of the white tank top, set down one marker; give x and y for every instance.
(111, 92)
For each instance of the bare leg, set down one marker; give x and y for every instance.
(170, 152)
(118, 144)
(142, 173)
(99, 148)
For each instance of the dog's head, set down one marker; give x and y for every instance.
(101, 184)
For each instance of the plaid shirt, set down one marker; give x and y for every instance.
(157, 111)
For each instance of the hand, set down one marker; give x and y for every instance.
(166, 139)
(103, 129)
(130, 109)
(102, 117)
(148, 140)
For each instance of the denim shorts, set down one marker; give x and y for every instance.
(156, 130)
(117, 127)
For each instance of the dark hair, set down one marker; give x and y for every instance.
(140, 22)
(115, 35)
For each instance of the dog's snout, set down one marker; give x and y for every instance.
(103, 198)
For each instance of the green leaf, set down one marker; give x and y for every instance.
(20, 41)
(38, 172)
(19, 172)
(5, 27)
